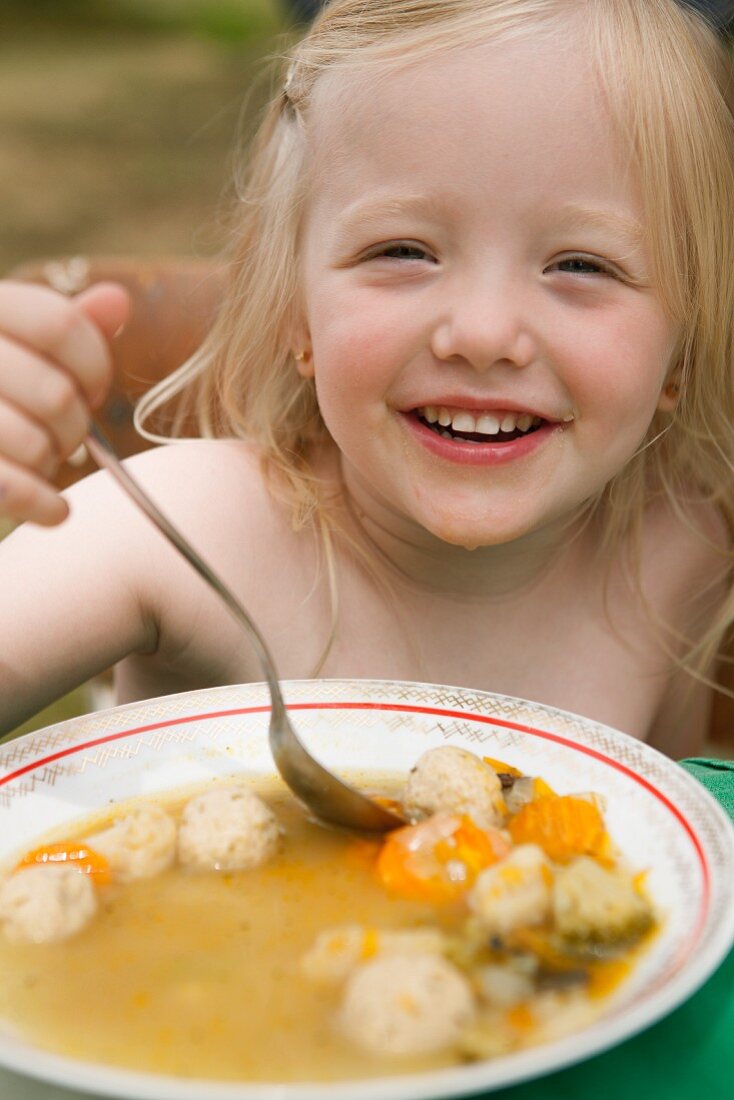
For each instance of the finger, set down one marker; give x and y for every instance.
(25, 497)
(45, 321)
(107, 305)
(26, 443)
(45, 393)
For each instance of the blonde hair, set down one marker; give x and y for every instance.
(669, 85)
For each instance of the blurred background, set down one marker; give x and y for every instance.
(120, 124)
(118, 119)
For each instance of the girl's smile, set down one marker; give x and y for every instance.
(488, 352)
(485, 437)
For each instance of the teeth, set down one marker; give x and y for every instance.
(486, 423)
(464, 422)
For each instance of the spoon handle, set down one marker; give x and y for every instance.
(104, 455)
(323, 792)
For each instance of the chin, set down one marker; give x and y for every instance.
(471, 536)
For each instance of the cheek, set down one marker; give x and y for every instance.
(355, 355)
(618, 382)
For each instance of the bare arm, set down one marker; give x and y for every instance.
(70, 600)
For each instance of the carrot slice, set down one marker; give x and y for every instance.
(397, 873)
(563, 826)
(439, 859)
(521, 1017)
(541, 789)
(78, 855)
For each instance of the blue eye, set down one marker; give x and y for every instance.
(403, 252)
(581, 265)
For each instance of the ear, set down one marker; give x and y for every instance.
(670, 394)
(301, 348)
(303, 357)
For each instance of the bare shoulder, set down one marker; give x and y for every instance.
(214, 490)
(686, 571)
(686, 555)
(217, 471)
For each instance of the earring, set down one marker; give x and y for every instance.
(302, 356)
(672, 390)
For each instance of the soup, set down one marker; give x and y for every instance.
(241, 974)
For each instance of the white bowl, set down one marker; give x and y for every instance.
(660, 817)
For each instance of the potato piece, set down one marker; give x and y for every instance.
(595, 905)
(515, 892)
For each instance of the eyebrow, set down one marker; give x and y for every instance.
(363, 213)
(575, 216)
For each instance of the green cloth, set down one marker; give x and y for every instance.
(687, 1056)
(718, 778)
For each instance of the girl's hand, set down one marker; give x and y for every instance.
(55, 367)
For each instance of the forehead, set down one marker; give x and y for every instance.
(530, 111)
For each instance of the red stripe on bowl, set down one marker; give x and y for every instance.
(435, 712)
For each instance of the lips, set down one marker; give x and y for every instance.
(468, 437)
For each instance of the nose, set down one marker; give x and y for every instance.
(485, 322)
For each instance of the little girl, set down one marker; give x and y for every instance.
(470, 398)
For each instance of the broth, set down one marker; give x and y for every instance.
(197, 974)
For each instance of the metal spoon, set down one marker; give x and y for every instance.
(324, 794)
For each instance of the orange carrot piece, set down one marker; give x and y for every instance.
(541, 789)
(396, 874)
(78, 855)
(563, 826)
(521, 1017)
(416, 862)
(474, 847)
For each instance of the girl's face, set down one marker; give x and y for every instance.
(488, 346)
